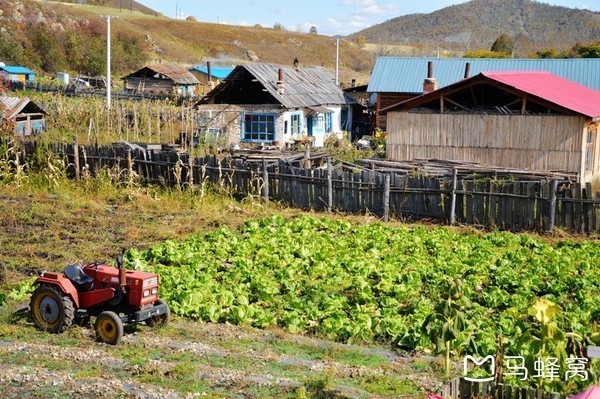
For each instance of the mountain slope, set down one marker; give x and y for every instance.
(130, 5)
(477, 23)
(54, 36)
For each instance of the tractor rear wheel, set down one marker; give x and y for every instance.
(161, 319)
(51, 310)
(109, 327)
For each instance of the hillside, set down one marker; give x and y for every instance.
(51, 37)
(129, 5)
(476, 24)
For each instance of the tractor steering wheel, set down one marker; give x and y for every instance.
(97, 263)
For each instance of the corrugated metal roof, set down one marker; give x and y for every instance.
(406, 75)
(14, 105)
(173, 71)
(303, 87)
(219, 73)
(563, 92)
(15, 69)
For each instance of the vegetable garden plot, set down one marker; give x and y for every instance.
(372, 282)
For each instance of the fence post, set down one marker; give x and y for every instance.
(329, 185)
(76, 157)
(129, 164)
(386, 198)
(191, 159)
(266, 181)
(552, 215)
(307, 157)
(453, 196)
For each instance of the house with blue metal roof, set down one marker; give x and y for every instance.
(210, 76)
(396, 79)
(15, 73)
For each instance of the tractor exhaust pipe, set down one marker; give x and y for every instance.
(122, 272)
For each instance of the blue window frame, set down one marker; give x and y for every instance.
(328, 122)
(259, 127)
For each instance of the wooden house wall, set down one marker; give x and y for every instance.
(548, 142)
(385, 100)
(205, 85)
(149, 85)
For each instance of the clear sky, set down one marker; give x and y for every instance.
(330, 17)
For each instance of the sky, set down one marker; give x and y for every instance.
(330, 17)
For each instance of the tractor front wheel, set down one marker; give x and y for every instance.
(109, 328)
(51, 310)
(161, 319)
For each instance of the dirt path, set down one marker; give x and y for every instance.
(193, 359)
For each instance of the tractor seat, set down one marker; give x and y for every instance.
(77, 276)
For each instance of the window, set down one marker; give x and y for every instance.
(328, 122)
(259, 127)
(296, 123)
(589, 150)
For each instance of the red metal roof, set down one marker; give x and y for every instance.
(560, 91)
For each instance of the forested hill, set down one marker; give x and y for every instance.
(476, 24)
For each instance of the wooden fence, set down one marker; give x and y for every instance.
(534, 205)
(459, 388)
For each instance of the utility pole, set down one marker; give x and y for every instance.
(337, 60)
(108, 18)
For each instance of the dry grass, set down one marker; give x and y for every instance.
(51, 228)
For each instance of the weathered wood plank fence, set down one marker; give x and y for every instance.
(459, 388)
(507, 205)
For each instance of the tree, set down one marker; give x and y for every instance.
(46, 44)
(503, 44)
(11, 50)
(485, 54)
(545, 54)
(278, 26)
(589, 51)
(313, 30)
(361, 42)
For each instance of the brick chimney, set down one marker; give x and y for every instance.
(429, 84)
(280, 83)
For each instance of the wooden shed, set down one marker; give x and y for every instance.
(396, 79)
(16, 73)
(527, 120)
(26, 116)
(167, 78)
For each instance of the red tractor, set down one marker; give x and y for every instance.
(113, 294)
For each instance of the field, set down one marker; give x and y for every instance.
(274, 302)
